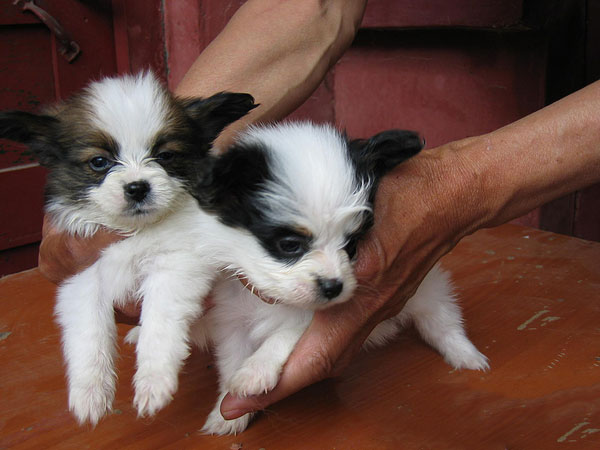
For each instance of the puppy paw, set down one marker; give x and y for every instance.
(464, 355)
(90, 403)
(133, 335)
(254, 378)
(216, 424)
(153, 392)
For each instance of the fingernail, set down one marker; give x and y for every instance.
(234, 413)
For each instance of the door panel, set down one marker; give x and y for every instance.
(33, 73)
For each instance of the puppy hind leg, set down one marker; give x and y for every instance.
(438, 318)
(383, 333)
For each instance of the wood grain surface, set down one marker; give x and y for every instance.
(532, 304)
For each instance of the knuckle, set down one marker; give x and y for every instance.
(321, 365)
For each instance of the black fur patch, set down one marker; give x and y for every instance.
(376, 156)
(214, 113)
(234, 196)
(193, 126)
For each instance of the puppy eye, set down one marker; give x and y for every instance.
(100, 164)
(165, 156)
(292, 245)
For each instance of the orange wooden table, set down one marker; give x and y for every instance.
(532, 304)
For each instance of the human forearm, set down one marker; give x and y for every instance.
(539, 158)
(278, 51)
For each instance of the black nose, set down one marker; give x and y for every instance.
(137, 190)
(330, 287)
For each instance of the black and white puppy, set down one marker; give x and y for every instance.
(294, 199)
(125, 154)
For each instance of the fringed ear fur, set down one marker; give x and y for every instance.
(236, 176)
(376, 156)
(214, 113)
(34, 130)
(25, 127)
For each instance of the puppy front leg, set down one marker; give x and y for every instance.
(172, 300)
(86, 317)
(260, 372)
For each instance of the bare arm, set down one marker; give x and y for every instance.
(279, 51)
(425, 206)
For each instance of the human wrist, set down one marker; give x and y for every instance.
(539, 158)
(422, 209)
(455, 188)
(478, 191)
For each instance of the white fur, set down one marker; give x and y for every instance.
(165, 269)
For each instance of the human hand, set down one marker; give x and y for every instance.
(62, 255)
(419, 216)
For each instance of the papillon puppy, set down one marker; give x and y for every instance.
(125, 155)
(294, 200)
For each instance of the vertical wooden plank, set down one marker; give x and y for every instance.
(121, 36)
(565, 27)
(89, 24)
(145, 36)
(36, 74)
(587, 208)
(183, 37)
(25, 51)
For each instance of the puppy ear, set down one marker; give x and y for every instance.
(237, 176)
(32, 129)
(25, 127)
(378, 155)
(214, 113)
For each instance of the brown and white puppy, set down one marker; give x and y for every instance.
(125, 154)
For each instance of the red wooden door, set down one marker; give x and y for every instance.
(34, 73)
